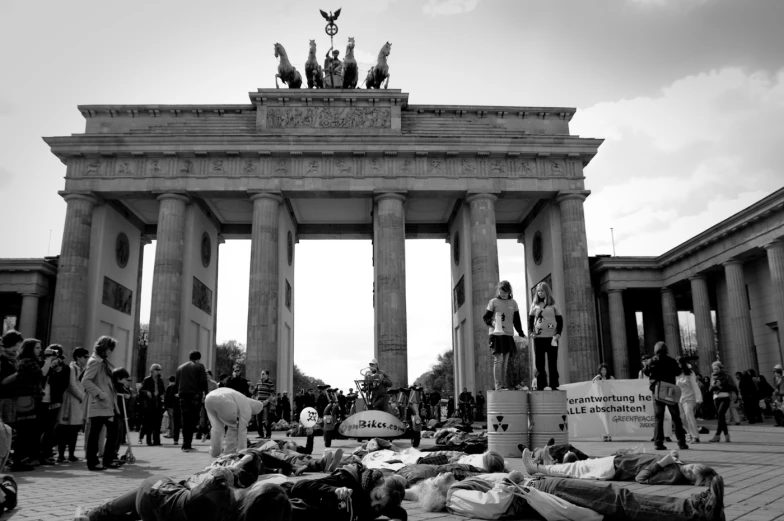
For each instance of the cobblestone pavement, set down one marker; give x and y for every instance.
(752, 466)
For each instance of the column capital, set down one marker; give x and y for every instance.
(31, 294)
(699, 276)
(614, 290)
(665, 289)
(733, 262)
(174, 195)
(775, 244)
(265, 195)
(565, 195)
(145, 240)
(475, 197)
(400, 196)
(78, 196)
(221, 240)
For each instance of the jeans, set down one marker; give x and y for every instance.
(722, 404)
(542, 348)
(174, 423)
(153, 414)
(616, 503)
(500, 361)
(658, 409)
(264, 422)
(66, 437)
(687, 415)
(96, 424)
(47, 423)
(190, 405)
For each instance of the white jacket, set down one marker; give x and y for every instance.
(690, 391)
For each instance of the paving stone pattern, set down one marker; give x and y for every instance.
(752, 467)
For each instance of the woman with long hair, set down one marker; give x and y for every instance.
(545, 323)
(504, 308)
(691, 398)
(721, 386)
(603, 373)
(29, 393)
(55, 383)
(71, 417)
(101, 403)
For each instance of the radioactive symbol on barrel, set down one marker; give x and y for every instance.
(565, 425)
(503, 426)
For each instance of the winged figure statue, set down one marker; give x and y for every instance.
(330, 17)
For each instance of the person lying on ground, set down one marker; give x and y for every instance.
(642, 468)
(352, 492)
(605, 499)
(218, 493)
(551, 453)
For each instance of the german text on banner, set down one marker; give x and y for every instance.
(619, 408)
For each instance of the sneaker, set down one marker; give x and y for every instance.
(715, 439)
(61, 459)
(520, 447)
(528, 460)
(336, 459)
(659, 447)
(695, 440)
(683, 446)
(710, 503)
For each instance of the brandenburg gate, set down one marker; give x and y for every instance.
(305, 164)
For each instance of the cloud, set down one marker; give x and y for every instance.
(678, 163)
(449, 7)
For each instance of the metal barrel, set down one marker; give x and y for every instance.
(548, 418)
(507, 422)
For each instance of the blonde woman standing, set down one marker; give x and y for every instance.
(545, 324)
(101, 403)
(691, 398)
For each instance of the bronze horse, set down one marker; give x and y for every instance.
(313, 71)
(350, 68)
(286, 71)
(380, 72)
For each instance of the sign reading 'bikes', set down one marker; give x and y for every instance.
(371, 424)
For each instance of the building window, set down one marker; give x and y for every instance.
(459, 293)
(288, 295)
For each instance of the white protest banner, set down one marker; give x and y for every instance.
(618, 408)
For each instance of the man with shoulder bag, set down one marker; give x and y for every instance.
(662, 370)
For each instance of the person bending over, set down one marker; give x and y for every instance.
(642, 468)
(352, 492)
(229, 411)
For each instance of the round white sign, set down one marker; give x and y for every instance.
(308, 417)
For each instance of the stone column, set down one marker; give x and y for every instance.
(221, 240)
(484, 278)
(775, 252)
(620, 348)
(70, 297)
(138, 369)
(579, 311)
(165, 310)
(389, 245)
(706, 345)
(672, 331)
(740, 333)
(29, 319)
(262, 350)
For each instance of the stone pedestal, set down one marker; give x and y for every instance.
(389, 262)
(620, 348)
(706, 345)
(164, 342)
(70, 298)
(775, 252)
(579, 310)
(672, 332)
(484, 278)
(739, 327)
(29, 318)
(262, 353)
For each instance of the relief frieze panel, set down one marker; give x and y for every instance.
(327, 166)
(327, 117)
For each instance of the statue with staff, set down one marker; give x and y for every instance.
(333, 68)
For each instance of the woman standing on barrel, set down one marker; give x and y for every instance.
(545, 324)
(503, 317)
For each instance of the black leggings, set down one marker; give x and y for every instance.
(722, 404)
(66, 437)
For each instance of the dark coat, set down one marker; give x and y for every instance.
(316, 499)
(148, 386)
(662, 368)
(58, 383)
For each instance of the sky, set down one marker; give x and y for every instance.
(687, 94)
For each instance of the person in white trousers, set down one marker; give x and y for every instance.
(691, 398)
(229, 408)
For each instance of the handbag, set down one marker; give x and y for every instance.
(667, 393)
(24, 404)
